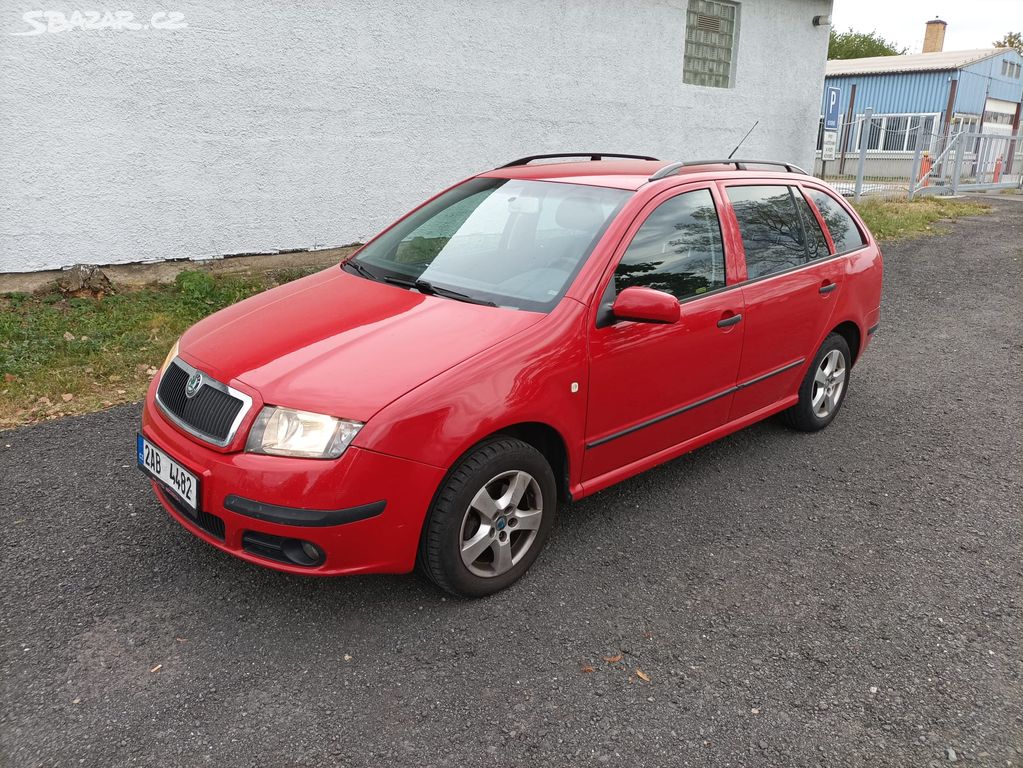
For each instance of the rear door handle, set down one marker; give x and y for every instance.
(827, 288)
(727, 322)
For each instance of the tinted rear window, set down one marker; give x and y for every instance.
(816, 243)
(844, 231)
(772, 234)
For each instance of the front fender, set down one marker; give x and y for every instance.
(526, 378)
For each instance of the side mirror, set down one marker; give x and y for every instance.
(646, 305)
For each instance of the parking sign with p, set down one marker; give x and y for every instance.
(832, 107)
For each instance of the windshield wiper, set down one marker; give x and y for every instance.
(434, 290)
(360, 269)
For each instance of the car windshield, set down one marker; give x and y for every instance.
(508, 242)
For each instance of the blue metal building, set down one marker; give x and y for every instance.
(948, 92)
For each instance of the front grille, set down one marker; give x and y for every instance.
(210, 413)
(212, 524)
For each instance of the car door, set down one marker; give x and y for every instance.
(791, 286)
(654, 386)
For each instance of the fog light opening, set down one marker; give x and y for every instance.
(302, 552)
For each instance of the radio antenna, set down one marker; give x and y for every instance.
(743, 139)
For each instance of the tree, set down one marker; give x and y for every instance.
(859, 45)
(1011, 40)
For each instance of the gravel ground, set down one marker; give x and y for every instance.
(848, 598)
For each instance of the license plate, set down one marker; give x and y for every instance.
(155, 462)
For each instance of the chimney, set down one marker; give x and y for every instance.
(934, 36)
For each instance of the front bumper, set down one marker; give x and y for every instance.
(336, 503)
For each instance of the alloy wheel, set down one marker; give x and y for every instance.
(501, 523)
(828, 383)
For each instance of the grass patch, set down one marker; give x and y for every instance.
(62, 356)
(894, 219)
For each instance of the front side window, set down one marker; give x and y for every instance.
(844, 232)
(711, 33)
(772, 234)
(677, 249)
(511, 242)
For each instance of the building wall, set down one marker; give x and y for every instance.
(927, 92)
(910, 92)
(984, 80)
(264, 125)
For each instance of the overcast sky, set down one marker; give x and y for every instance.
(971, 23)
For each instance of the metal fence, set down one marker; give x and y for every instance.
(909, 157)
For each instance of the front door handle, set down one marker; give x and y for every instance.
(827, 288)
(727, 322)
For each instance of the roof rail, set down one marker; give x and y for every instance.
(740, 165)
(591, 155)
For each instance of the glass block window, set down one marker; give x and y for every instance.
(711, 32)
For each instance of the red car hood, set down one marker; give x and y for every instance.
(337, 344)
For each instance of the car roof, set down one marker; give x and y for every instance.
(622, 174)
(625, 174)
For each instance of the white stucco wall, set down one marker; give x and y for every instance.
(265, 125)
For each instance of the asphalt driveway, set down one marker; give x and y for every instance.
(848, 598)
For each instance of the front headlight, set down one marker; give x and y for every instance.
(287, 432)
(170, 357)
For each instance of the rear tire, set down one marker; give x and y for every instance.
(490, 519)
(824, 387)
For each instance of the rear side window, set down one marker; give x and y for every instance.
(816, 243)
(772, 234)
(677, 249)
(844, 232)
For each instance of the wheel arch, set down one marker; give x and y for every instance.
(545, 438)
(548, 441)
(850, 331)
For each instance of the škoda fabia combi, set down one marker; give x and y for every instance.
(532, 335)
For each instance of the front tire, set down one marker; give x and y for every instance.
(490, 519)
(824, 387)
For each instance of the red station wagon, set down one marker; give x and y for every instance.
(535, 333)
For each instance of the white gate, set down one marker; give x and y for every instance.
(924, 162)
